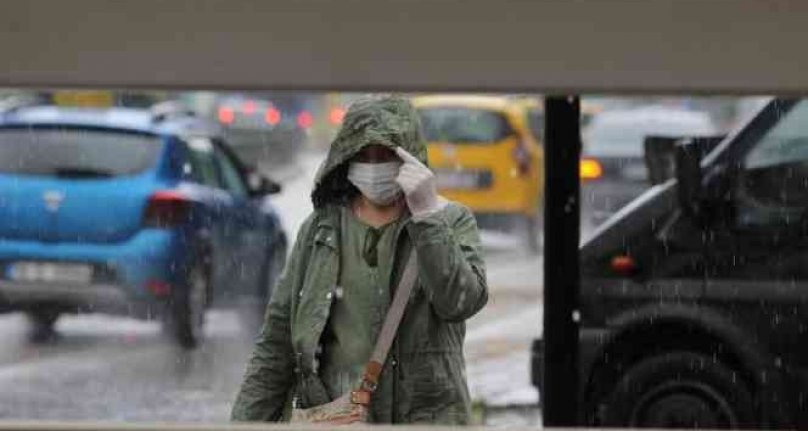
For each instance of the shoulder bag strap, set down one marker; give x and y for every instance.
(373, 369)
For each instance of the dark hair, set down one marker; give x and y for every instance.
(334, 188)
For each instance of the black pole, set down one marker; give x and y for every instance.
(562, 143)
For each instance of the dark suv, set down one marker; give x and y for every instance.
(694, 300)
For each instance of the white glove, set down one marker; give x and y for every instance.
(418, 183)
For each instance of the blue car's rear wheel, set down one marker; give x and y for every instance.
(42, 324)
(186, 309)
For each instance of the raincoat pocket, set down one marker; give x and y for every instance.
(432, 389)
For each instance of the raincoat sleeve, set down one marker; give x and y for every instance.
(270, 377)
(450, 264)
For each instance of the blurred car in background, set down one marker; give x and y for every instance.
(485, 157)
(534, 110)
(612, 165)
(133, 212)
(266, 129)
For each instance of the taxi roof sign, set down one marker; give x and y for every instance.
(84, 98)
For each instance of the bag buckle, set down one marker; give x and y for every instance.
(370, 379)
(361, 397)
(368, 386)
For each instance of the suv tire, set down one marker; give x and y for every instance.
(679, 390)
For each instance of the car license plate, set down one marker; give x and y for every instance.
(50, 272)
(458, 179)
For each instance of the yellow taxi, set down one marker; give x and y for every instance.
(485, 156)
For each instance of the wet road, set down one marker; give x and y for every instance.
(109, 368)
(119, 369)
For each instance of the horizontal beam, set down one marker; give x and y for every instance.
(113, 426)
(590, 46)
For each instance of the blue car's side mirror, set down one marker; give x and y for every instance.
(261, 185)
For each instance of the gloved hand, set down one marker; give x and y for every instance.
(418, 183)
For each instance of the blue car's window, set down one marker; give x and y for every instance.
(76, 153)
(203, 166)
(230, 175)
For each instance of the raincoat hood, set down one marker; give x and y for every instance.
(391, 121)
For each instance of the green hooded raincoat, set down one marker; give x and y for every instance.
(424, 377)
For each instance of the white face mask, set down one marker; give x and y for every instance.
(376, 181)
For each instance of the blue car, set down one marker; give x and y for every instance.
(134, 212)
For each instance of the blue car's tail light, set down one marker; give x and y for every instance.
(158, 288)
(166, 208)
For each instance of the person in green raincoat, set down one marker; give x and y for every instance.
(375, 201)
